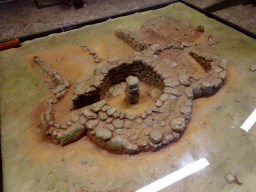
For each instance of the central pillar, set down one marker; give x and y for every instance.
(132, 91)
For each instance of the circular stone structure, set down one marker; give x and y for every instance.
(117, 130)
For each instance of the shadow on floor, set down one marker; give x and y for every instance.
(228, 3)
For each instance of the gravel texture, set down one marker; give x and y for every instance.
(25, 18)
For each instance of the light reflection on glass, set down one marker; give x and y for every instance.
(176, 176)
(249, 121)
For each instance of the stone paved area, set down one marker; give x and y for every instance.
(25, 18)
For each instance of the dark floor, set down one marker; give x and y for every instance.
(24, 18)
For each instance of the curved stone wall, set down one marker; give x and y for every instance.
(122, 132)
(114, 72)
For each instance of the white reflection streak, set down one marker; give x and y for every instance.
(176, 176)
(249, 121)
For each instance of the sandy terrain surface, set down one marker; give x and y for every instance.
(31, 162)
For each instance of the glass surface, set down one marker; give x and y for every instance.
(216, 134)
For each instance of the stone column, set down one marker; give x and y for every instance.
(132, 91)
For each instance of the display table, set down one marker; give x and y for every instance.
(33, 162)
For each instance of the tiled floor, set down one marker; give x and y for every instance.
(25, 18)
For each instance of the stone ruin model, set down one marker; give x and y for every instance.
(119, 131)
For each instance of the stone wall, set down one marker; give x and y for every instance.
(58, 79)
(116, 71)
(117, 130)
(130, 38)
(61, 85)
